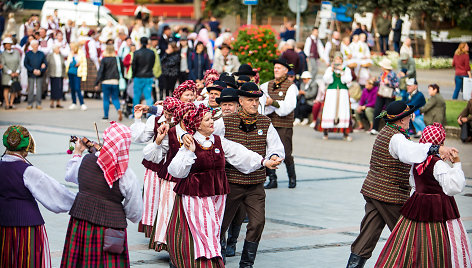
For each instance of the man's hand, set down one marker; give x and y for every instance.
(36, 72)
(301, 92)
(273, 162)
(269, 101)
(464, 119)
(43, 66)
(401, 74)
(448, 153)
(455, 158)
(79, 147)
(156, 103)
(139, 109)
(161, 133)
(459, 120)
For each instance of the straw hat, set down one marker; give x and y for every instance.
(306, 74)
(386, 64)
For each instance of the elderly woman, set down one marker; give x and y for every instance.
(336, 112)
(10, 60)
(108, 195)
(193, 233)
(430, 232)
(23, 238)
(56, 71)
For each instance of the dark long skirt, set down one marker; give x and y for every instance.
(56, 88)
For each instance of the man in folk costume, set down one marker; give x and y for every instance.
(332, 47)
(247, 70)
(280, 101)
(214, 91)
(386, 187)
(430, 232)
(202, 191)
(23, 238)
(255, 132)
(92, 53)
(313, 50)
(336, 111)
(108, 195)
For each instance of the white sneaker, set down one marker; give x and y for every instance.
(348, 138)
(374, 132)
(296, 122)
(83, 107)
(72, 106)
(312, 125)
(304, 122)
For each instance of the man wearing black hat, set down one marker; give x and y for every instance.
(246, 70)
(226, 62)
(143, 63)
(386, 187)
(279, 102)
(256, 133)
(228, 101)
(214, 92)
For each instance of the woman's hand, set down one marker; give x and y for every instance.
(189, 143)
(455, 157)
(161, 133)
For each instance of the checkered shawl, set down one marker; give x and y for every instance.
(209, 79)
(114, 155)
(181, 109)
(256, 77)
(187, 85)
(170, 104)
(194, 118)
(434, 134)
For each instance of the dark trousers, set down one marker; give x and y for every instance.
(466, 131)
(380, 104)
(377, 214)
(383, 39)
(166, 85)
(285, 135)
(252, 196)
(183, 76)
(303, 110)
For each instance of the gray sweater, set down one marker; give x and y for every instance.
(11, 62)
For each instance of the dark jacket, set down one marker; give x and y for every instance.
(143, 62)
(109, 69)
(197, 65)
(34, 61)
(170, 63)
(397, 31)
(292, 58)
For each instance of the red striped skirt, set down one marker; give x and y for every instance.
(84, 247)
(416, 244)
(181, 244)
(161, 222)
(150, 202)
(25, 246)
(461, 249)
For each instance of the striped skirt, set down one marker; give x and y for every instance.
(89, 84)
(416, 244)
(25, 246)
(328, 112)
(161, 222)
(181, 244)
(461, 249)
(84, 247)
(151, 201)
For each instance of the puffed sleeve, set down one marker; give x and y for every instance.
(182, 163)
(407, 151)
(452, 180)
(133, 202)
(240, 157)
(72, 169)
(328, 76)
(346, 77)
(141, 132)
(49, 192)
(154, 152)
(274, 144)
(219, 127)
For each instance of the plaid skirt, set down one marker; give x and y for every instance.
(180, 242)
(25, 246)
(416, 244)
(89, 84)
(84, 247)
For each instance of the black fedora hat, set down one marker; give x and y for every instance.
(250, 90)
(228, 95)
(245, 69)
(243, 79)
(397, 110)
(217, 85)
(284, 62)
(228, 80)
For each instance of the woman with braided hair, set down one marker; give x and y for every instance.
(23, 238)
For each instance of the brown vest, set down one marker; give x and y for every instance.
(279, 94)
(253, 137)
(95, 201)
(388, 178)
(334, 49)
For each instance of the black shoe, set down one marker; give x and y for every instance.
(104, 118)
(292, 177)
(248, 256)
(272, 179)
(233, 233)
(223, 247)
(355, 261)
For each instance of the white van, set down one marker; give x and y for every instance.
(83, 11)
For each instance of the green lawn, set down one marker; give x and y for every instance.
(453, 109)
(458, 32)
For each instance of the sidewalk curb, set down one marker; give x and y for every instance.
(453, 132)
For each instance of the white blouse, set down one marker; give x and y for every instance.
(452, 180)
(48, 191)
(237, 155)
(133, 201)
(143, 132)
(156, 153)
(346, 76)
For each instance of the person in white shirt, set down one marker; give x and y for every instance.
(314, 51)
(108, 32)
(332, 47)
(406, 48)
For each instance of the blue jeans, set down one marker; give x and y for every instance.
(113, 91)
(383, 39)
(142, 86)
(418, 123)
(459, 81)
(74, 85)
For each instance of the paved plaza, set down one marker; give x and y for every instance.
(312, 225)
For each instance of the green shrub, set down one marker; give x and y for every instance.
(421, 64)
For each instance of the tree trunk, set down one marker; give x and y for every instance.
(197, 9)
(428, 44)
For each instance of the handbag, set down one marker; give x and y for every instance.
(122, 81)
(385, 91)
(114, 241)
(467, 88)
(15, 86)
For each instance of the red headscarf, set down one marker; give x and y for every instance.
(170, 104)
(194, 118)
(210, 76)
(181, 109)
(114, 155)
(256, 77)
(187, 85)
(434, 134)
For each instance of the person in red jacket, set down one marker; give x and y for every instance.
(461, 64)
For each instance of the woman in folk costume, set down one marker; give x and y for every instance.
(430, 232)
(210, 76)
(108, 195)
(336, 111)
(163, 150)
(151, 184)
(23, 238)
(193, 234)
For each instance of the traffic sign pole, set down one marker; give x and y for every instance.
(298, 21)
(249, 14)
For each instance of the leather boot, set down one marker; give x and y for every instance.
(233, 233)
(292, 177)
(272, 179)
(223, 248)
(248, 256)
(355, 261)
